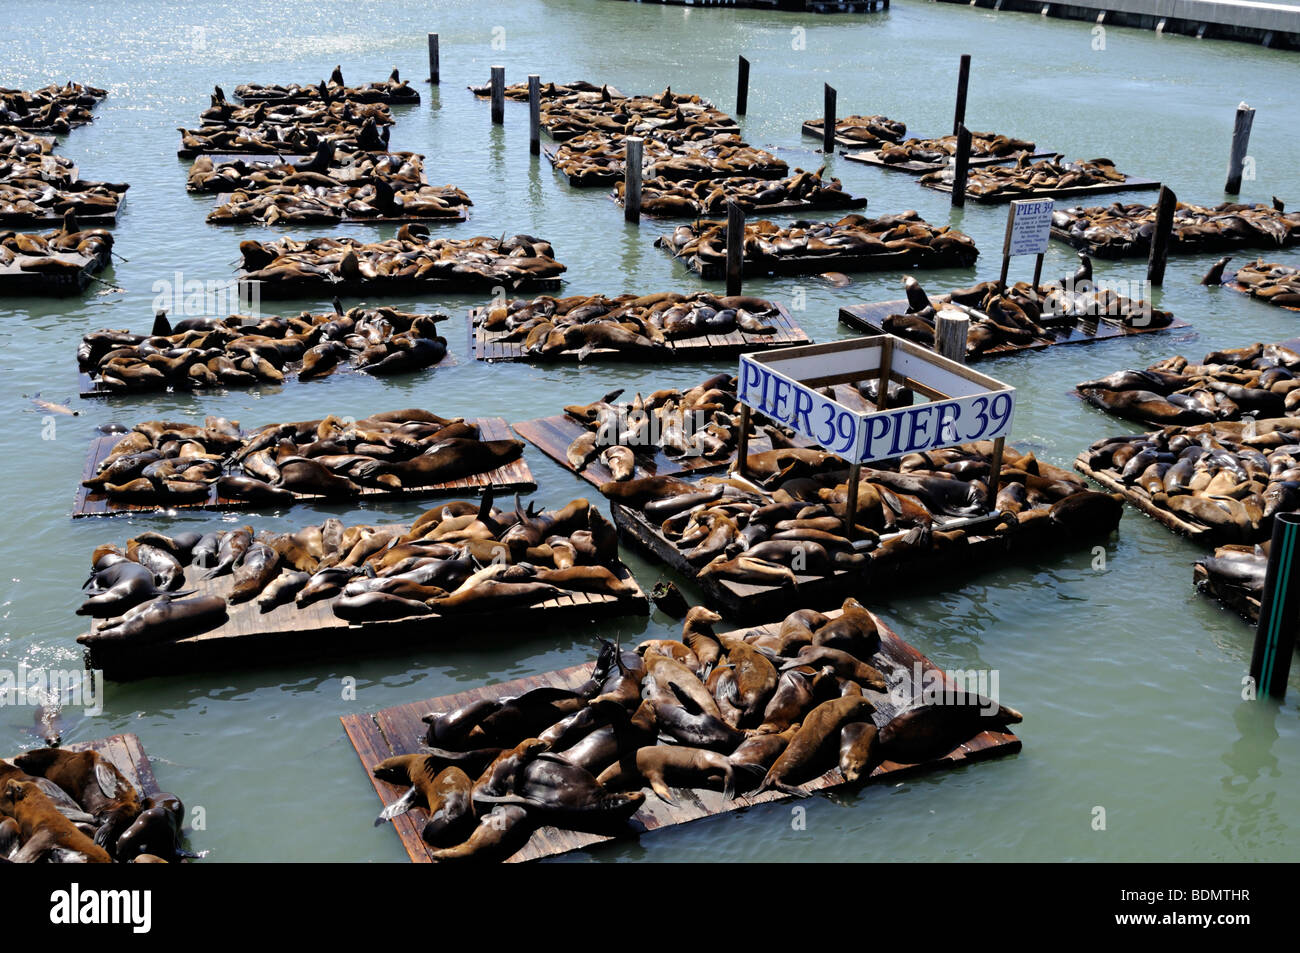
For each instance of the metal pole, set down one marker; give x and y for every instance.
(1279, 610)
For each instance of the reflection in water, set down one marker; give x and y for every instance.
(1245, 813)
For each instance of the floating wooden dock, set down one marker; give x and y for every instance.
(1233, 285)
(125, 753)
(89, 388)
(379, 287)
(850, 203)
(816, 264)
(14, 282)
(608, 177)
(399, 730)
(1139, 499)
(509, 478)
(458, 219)
(488, 346)
(1243, 601)
(870, 318)
(1131, 184)
(872, 157)
(287, 633)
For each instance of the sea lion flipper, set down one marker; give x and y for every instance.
(398, 807)
(661, 789)
(106, 779)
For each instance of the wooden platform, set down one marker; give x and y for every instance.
(869, 319)
(15, 282)
(513, 476)
(14, 220)
(872, 157)
(488, 346)
(591, 180)
(458, 219)
(1142, 249)
(126, 754)
(371, 288)
(398, 730)
(251, 637)
(90, 389)
(1132, 184)
(813, 264)
(751, 208)
(1144, 503)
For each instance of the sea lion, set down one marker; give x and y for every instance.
(499, 833)
(803, 758)
(664, 765)
(91, 781)
(444, 794)
(1215, 275)
(162, 618)
(857, 749)
(44, 831)
(930, 731)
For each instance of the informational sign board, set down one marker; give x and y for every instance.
(973, 406)
(1029, 227)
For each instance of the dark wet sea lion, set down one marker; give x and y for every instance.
(930, 731)
(1215, 275)
(163, 618)
(499, 833)
(857, 749)
(155, 831)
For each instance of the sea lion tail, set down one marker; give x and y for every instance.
(729, 782)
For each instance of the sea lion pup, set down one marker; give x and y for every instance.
(499, 833)
(1215, 275)
(91, 781)
(662, 766)
(930, 731)
(44, 831)
(445, 794)
(804, 758)
(858, 749)
(697, 633)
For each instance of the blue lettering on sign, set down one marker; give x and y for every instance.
(803, 405)
(750, 375)
(946, 430)
(780, 394)
(918, 421)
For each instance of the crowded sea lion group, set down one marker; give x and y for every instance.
(410, 260)
(1123, 229)
(594, 159)
(1027, 177)
(456, 558)
(579, 325)
(393, 90)
(866, 130)
(941, 151)
(75, 807)
(51, 109)
(1014, 316)
(741, 713)
(66, 251)
(329, 168)
(1231, 384)
(666, 198)
(1271, 282)
(168, 463)
(38, 185)
(855, 242)
(1222, 480)
(244, 351)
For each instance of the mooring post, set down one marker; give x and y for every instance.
(632, 180)
(1165, 206)
(963, 78)
(961, 167)
(498, 95)
(951, 328)
(995, 473)
(535, 114)
(851, 504)
(882, 379)
(735, 247)
(828, 118)
(742, 87)
(1240, 141)
(742, 443)
(1279, 609)
(433, 59)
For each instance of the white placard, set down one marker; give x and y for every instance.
(1029, 227)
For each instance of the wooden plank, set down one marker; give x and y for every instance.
(288, 632)
(870, 318)
(515, 475)
(895, 659)
(1136, 497)
(489, 346)
(127, 754)
(382, 285)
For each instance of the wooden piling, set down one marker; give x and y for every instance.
(735, 247)
(1165, 206)
(632, 179)
(951, 329)
(742, 87)
(498, 95)
(535, 115)
(961, 167)
(433, 59)
(963, 78)
(828, 118)
(1240, 141)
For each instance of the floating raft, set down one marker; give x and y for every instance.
(458, 219)
(810, 264)
(1136, 497)
(869, 319)
(125, 753)
(288, 633)
(384, 286)
(511, 477)
(487, 346)
(1243, 601)
(15, 282)
(399, 730)
(1232, 284)
(872, 157)
(1131, 184)
(849, 203)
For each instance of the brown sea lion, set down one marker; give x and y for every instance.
(804, 757)
(662, 766)
(43, 829)
(857, 749)
(91, 781)
(930, 731)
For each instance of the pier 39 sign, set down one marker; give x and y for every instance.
(966, 406)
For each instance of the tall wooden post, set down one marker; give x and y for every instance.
(433, 59)
(632, 179)
(828, 118)
(742, 87)
(498, 95)
(951, 329)
(963, 78)
(1165, 206)
(1240, 141)
(534, 113)
(735, 248)
(961, 167)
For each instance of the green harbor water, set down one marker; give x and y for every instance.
(1130, 682)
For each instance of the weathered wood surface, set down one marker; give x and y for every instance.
(126, 753)
(250, 637)
(488, 346)
(399, 730)
(513, 476)
(869, 319)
